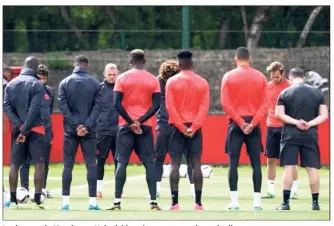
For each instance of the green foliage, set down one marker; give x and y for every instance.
(152, 27)
(57, 61)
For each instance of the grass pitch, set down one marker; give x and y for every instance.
(135, 206)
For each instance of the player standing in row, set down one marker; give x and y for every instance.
(107, 123)
(168, 69)
(302, 108)
(22, 105)
(79, 102)
(187, 104)
(46, 112)
(274, 128)
(244, 97)
(137, 99)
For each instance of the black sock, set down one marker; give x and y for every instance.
(13, 197)
(175, 197)
(37, 198)
(198, 197)
(315, 197)
(286, 196)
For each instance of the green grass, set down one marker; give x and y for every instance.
(136, 205)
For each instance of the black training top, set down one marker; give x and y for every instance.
(79, 100)
(301, 101)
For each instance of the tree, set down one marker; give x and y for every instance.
(308, 26)
(254, 33)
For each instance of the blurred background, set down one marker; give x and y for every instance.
(298, 36)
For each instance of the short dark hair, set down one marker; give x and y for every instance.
(31, 62)
(43, 69)
(185, 55)
(297, 73)
(81, 59)
(8, 69)
(242, 53)
(137, 55)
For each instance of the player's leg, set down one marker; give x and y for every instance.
(103, 149)
(190, 177)
(24, 175)
(37, 152)
(272, 154)
(288, 159)
(294, 188)
(254, 149)
(194, 146)
(70, 148)
(161, 148)
(47, 160)
(88, 147)
(144, 148)
(19, 155)
(310, 159)
(125, 145)
(234, 141)
(176, 149)
(113, 150)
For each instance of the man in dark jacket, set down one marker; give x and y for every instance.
(79, 103)
(6, 78)
(107, 124)
(46, 112)
(22, 105)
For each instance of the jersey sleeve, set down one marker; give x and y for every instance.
(281, 99)
(322, 99)
(157, 86)
(118, 85)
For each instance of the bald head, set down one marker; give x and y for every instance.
(31, 62)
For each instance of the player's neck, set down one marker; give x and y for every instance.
(138, 67)
(243, 64)
(297, 81)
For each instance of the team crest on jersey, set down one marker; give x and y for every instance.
(46, 96)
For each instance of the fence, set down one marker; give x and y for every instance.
(210, 64)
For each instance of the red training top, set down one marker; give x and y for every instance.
(274, 92)
(244, 92)
(187, 100)
(137, 87)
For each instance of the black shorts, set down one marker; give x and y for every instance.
(273, 142)
(105, 144)
(70, 148)
(180, 145)
(34, 149)
(142, 144)
(161, 142)
(308, 150)
(235, 138)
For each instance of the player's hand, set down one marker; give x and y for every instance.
(303, 125)
(135, 127)
(21, 139)
(81, 130)
(243, 127)
(249, 128)
(188, 132)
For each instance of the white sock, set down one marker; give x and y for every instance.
(257, 199)
(158, 187)
(92, 201)
(271, 187)
(294, 188)
(234, 198)
(99, 185)
(153, 201)
(66, 200)
(117, 200)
